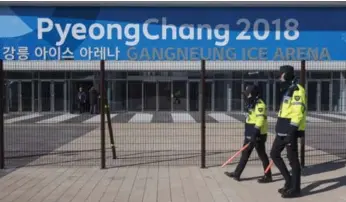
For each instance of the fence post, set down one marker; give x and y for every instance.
(110, 129)
(202, 112)
(2, 142)
(102, 113)
(302, 139)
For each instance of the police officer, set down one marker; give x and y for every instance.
(290, 125)
(256, 128)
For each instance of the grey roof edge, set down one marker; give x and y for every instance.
(178, 4)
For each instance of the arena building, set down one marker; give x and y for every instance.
(153, 55)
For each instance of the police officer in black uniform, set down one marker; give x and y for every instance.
(290, 125)
(256, 128)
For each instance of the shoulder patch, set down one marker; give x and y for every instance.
(297, 98)
(260, 109)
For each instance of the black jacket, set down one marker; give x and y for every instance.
(81, 97)
(93, 94)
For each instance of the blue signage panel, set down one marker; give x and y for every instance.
(94, 33)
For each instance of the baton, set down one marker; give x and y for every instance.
(268, 167)
(235, 155)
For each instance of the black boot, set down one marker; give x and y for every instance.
(282, 190)
(265, 179)
(290, 193)
(233, 175)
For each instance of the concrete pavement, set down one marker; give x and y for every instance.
(148, 143)
(146, 168)
(165, 183)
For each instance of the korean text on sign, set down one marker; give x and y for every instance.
(53, 53)
(21, 53)
(97, 53)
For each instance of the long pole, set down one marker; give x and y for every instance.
(2, 142)
(102, 107)
(110, 129)
(302, 139)
(202, 111)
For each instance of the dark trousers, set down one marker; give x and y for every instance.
(261, 151)
(292, 182)
(93, 108)
(81, 107)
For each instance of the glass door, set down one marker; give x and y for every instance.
(312, 95)
(208, 94)
(149, 96)
(237, 97)
(46, 96)
(165, 101)
(59, 96)
(13, 96)
(135, 96)
(119, 97)
(26, 96)
(271, 94)
(263, 85)
(194, 95)
(278, 96)
(179, 95)
(325, 97)
(74, 89)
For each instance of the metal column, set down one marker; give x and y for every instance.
(39, 96)
(65, 96)
(20, 96)
(157, 95)
(70, 98)
(188, 96)
(2, 139)
(318, 96)
(172, 97)
(229, 97)
(213, 95)
(274, 96)
(52, 97)
(142, 96)
(33, 96)
(127, 95)
(331, 95)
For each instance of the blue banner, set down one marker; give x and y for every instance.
(131, 33)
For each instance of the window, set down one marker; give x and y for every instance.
(19, 75)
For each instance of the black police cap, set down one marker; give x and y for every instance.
(251, 89)
(286, 69)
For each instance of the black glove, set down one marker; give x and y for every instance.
(291, 134)
(256, 133)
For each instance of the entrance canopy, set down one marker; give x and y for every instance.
(169, 65)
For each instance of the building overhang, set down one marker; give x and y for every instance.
(170, 65)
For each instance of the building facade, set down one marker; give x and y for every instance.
(153, 55)
(169, 90)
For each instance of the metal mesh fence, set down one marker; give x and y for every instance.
(158, 112)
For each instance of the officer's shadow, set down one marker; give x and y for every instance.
(321, 168)
(336, 183)
(324, 167)
(317, 169)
